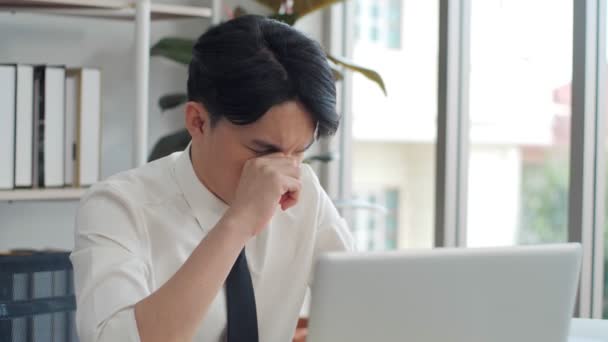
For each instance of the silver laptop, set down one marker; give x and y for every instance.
(446, 295)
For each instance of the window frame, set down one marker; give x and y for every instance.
(587, 181)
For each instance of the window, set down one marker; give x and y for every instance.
(604, 78)
(520, 184)
(393, 156)
(373, 34)
(376, 221)
(382, 23)
(393, 21)
(519, 121)
(375, 11)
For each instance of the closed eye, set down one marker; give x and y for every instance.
(263, 148)
(262, 152)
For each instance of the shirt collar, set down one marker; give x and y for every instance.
(207, 207)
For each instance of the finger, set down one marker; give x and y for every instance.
(295, 195)
(292, 199)
(284, 166)
(277, 158)
(288, 203)
(290, 170)
(288, 197)
(275, 155)
(290, 184)
(292, 194)
(280, 156)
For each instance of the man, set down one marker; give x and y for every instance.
(217, 243)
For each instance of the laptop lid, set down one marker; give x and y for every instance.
(504, 294)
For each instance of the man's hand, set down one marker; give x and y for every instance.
(301, 330)
(265, 183)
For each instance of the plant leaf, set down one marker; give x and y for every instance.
(170, 143)
(323, 158)
(176, 49)
(274, 5)
(304, 7)
(170, 101)
(338, 76)
(369, 73)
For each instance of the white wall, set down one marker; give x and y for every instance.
(108, 45)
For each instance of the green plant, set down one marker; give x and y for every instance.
(179, 49)
(544, 205)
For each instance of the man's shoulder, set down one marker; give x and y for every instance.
(149, 183)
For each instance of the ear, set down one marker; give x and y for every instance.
(197, 119)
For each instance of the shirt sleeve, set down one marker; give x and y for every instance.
(333, 234)
(110, 269)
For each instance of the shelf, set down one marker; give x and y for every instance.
(103, 9)
(163, 11)
(61, 4)
(42, 194)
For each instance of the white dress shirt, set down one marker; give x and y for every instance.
(135, 229)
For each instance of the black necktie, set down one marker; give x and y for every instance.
(242, 323)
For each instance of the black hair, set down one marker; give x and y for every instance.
(243, 67)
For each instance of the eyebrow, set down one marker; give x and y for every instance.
(272, 147)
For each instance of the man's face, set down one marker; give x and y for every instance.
(286, 128)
